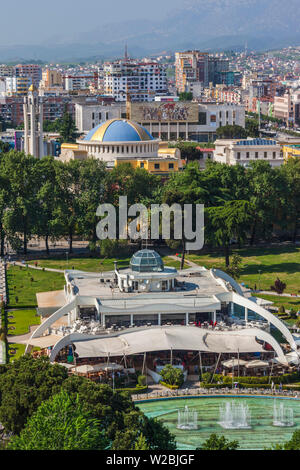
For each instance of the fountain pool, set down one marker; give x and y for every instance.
(262, 434)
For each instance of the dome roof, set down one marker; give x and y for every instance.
(118, 130)
(146, 261)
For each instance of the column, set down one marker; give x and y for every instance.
(232, 308)
(214, 316)
(41, 136)
(187, 318)
(26, 128)
(169, 131)
(103, 320)
(246, 315)
(131, 319)
(32, 128)
(159, 319)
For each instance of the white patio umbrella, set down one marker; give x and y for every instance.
(256, 364)
(234, 363)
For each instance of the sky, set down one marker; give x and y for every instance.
(36, 22)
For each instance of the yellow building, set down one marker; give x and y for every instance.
(291, 151)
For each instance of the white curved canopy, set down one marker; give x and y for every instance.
(175, 338)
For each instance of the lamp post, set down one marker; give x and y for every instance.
(259, 279)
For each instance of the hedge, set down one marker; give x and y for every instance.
(251, 385)
(283, 379)
(171, 387)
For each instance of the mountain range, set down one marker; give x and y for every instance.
(208, 25)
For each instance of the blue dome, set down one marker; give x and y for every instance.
(118, 130)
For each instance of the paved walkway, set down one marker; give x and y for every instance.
(38, 268)
(22, 338)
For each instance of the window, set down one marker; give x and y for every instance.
(238, 156)
(247, 154)
(265, 154)
(274, 155)
(156, 166)
(256, 154)
(171, 166)
(202, 119)
(142, 165)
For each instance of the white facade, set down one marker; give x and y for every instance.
(242, 152)
(88, 116)
(142, 81)
(76, 83)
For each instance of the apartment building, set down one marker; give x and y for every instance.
(141, 81)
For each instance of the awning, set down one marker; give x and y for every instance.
(233, 363)
(166, 338)
(257, 364)
(86, 368)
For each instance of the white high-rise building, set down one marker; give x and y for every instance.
(33, 124)
(138, 80)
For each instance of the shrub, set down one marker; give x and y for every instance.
(279, 286)
(142, 380)
(172, 376)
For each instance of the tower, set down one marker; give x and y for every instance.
(33, 124)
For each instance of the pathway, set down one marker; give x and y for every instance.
(38, 268)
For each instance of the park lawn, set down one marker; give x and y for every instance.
(22, 321)
(281, 261)
(82, 264)
(21, 285)
(20, 351)
(94, 264)
(287, 302)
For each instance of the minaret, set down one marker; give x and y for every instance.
(33, 124)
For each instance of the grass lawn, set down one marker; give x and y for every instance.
(20, 350)
(93, 264)
(22, 321)
(287, 302)
(281, 261)
(21, 285)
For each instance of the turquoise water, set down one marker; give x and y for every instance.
(262, 434)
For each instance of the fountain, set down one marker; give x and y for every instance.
(235, 416)
(187, 419)
(283, 416)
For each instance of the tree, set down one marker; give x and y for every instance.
(24, 385)
(266, 188)
(141, 443)
(218, 443)
(186, 96)
(21, 216)
(67, 128)
(235, 268)
(60, 423)
(92, 191)
(279, 286)
(231, 132)
(291, 217)
(47, 224)
(252, 128)
(172, 376)
(224, 223)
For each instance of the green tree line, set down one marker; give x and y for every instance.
(52, 199)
